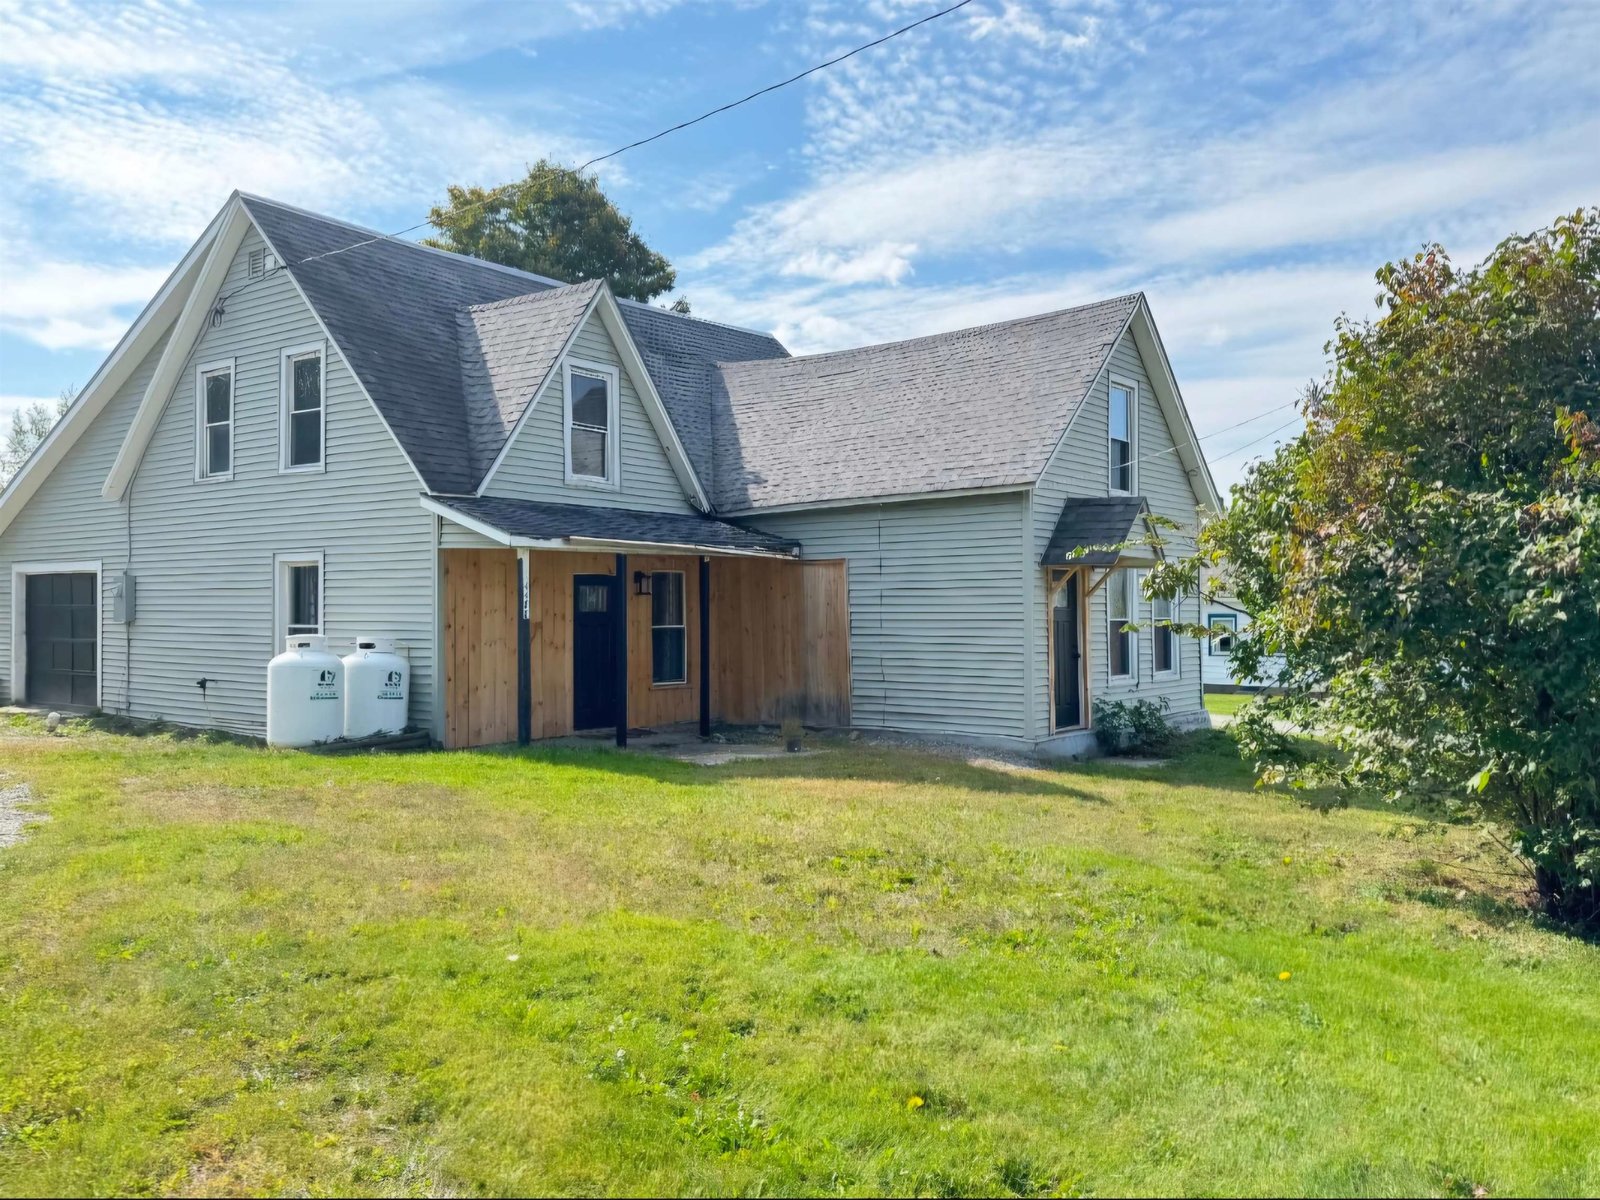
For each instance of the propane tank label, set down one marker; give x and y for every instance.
(327, 686)
(391, 687)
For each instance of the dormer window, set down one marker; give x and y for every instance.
(1124, 427)
(590, 424)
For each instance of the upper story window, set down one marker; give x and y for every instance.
(1121, 644)
(1124, 434)
(303, 426)
(214, 420)
(590, 424)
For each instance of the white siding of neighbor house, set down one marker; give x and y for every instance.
(936, 609)
(1081, 467)
(535, 466)
(202, 552)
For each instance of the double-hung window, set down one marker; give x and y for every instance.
(303, 424)
(298, 595)
(1124, 434)
(214, 420)
(669, 645)
(589, 419)
(1122, 648)
(1164, 649)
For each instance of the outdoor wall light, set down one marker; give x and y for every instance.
(641, 583)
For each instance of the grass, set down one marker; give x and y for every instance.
(228, 970)
(1227, 704)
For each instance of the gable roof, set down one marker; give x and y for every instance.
(977, 408)
(507, 350)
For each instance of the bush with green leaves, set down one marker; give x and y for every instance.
(1132, 726)
(1427, 554)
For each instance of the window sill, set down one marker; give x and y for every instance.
(668, 687)
(595, 482)
(309, 469)
(228, 478)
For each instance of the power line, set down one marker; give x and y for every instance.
(705, 116)
(1257, 441)
(1216, 432)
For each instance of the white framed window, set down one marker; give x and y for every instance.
(303, 416)
(1122, 643)
(1163, 639)
(297, 595)
(213, 415)
(1124, 436)
(669, 633)
(589, 423)
(1222, 638)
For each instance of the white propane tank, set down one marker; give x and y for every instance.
(305, 694)
(377, 688)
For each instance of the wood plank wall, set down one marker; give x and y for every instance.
(779, 642)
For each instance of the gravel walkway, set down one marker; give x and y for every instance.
(13, 815)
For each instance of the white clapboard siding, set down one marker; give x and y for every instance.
(535, 465)
(936, 609)
(203, 552)
(1081, 467)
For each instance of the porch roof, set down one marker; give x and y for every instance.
(1095, 521)
(539, 525)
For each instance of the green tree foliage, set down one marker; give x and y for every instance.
(1426, 556)
(555, 222)
(29, 426)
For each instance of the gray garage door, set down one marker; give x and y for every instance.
(62, 625)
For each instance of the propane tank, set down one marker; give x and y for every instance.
(305, 694)
(377, 688)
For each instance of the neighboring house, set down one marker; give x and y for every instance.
(577, 512)
(1230, 621)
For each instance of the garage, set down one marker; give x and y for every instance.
(62, 639)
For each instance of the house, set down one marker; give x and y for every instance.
(1227, 617)
(578, 512)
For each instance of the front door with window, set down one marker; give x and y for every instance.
(594, 674)
(1068, 664)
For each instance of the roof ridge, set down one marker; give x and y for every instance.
(1013, 323)
(529, 297)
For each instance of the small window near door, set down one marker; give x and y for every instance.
(214, 400)
(1124, 419)
(669, 644)
(304, 413)
(299, 598)
(1121, 647)
(1224, 627)
(1164, 637)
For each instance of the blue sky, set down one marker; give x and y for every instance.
(1247, 165)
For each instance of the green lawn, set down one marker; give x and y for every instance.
(226, 970)
(1227, 704)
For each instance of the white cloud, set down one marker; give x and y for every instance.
(64, 305)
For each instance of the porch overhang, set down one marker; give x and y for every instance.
(1092, 530)
(537, 525)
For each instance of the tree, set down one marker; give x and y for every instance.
(29, 426)
(555, 222)
(1426, 556)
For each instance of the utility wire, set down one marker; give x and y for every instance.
(1257, 441)
(705, 116)
(1216, 432)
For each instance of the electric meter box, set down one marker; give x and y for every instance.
(122, 596)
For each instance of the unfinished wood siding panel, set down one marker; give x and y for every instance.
(825, 641)
(937, 595)
(535, 466)
(757, 621)
(480, 593)
(203, 552)
(1081, 467)
(650, 703)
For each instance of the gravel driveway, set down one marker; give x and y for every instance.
(13, 815)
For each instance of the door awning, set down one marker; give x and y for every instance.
(1089, 524)
(534, 524)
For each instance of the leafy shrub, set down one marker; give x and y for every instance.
(1132, 727)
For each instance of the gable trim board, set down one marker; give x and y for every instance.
(126, 357)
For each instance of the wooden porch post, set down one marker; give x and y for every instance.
(619, 609)
(524, 649)
(705, 646)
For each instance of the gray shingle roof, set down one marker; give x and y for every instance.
(975, 408)
(1092, 521)
(559, 522)
(391, 307)
(507, 349)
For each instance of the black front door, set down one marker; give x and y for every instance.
(1068, 666)
(594, 675)
(63, 627)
